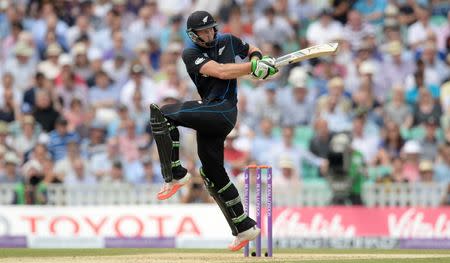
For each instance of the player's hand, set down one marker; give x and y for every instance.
(264, 68)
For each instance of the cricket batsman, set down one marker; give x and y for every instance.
(210, 62)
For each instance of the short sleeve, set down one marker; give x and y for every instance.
(194, 60)
(240, 47)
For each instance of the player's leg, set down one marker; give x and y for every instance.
(224, 192)
(203, 117)
(167, 139)
(161, 134)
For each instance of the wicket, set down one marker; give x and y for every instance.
(259, 169)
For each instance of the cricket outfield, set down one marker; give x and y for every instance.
(215, 255)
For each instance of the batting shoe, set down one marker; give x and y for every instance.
(171, 188)
(243, 238)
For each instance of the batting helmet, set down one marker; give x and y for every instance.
(200, 20)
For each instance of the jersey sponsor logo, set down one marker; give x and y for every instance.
(221, 50)
(205, 20)
(199, 60)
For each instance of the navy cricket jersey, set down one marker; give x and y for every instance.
(225, 51)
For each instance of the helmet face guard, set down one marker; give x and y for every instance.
(200, 20)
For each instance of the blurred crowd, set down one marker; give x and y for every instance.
(77, 78)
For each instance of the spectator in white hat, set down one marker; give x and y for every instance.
(289, 176)
(80, 59)
(411, 154)
(22, 66)
(397, 65)
(294, 102)
(11, 173)
(50, 67)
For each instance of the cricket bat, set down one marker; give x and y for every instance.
(307, 53)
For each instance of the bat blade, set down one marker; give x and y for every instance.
(307, 53)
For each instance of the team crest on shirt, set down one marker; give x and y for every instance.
(221, 50)
(199, 60)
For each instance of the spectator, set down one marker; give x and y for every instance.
(115, 175)
(101, 162)
(295, 106)
(425, 108)
(4, 136)
(117, 68)
(81, 66)
(442, 168)
(33, 190)
(417, 32)
(29, 97)
(150, 176)
(397, 110)
(79, 175)
(195, 191)
(426, 171)
(141, 82)
(263, 140)
(356, 29)
(76, 115)
(103, 94)
(11, 173)
(411, 153)
(397, 66)
(320, 143)
(324, 30)
(129, 141)
(60, 138)
(345, 170)
(138, 113)
(27, 139)
(266, 106)
(81, 27)
(44, 112)
(22, 66)
(363, 142)
(118, 47)
(281, 32)
(429, 144)
(372, 11)
(289, 178)
(95, 143)
(334, 107)
(70, 90)
(10, 110)
(390, 145)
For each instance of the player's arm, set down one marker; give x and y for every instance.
(226, 71)
(231, 70)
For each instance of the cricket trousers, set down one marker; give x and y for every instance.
(212, 120)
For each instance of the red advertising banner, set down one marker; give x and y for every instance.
(362, 221)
